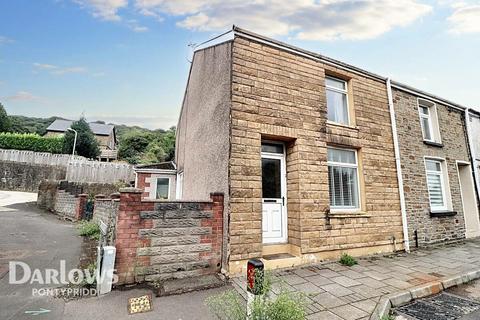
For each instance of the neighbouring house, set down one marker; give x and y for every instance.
(157, 181)
(300, 144)
(104, 133)
(439, 191)
(474, 133)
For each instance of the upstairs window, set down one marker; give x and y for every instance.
(343, 179)
(429, 121)
(426, 122)
(337, 100)
(436, 185)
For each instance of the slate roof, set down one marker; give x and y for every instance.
(61, 125)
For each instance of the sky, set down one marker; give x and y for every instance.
(127, 61)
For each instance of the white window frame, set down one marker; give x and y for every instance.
(443, 181)
(345, 91)
(432, 123)
(156, 186)
(349, 165)
(429, 118)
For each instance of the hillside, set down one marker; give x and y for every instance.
(24, 124)
(136, 144)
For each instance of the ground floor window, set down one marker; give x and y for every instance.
(436, 185)
(163, 188)
(343, 178)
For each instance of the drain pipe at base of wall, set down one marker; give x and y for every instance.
(406, 243)
(476, 176)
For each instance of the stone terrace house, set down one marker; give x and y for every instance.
(300, 144)
(440, 197)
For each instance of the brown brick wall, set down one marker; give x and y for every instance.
(280, 95)
(413, 151)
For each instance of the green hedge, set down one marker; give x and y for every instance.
(31, 141)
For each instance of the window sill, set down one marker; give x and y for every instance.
(353, 214)
(433, 144)
(444, 213)
(341, 125)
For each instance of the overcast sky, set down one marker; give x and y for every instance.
(126, 61)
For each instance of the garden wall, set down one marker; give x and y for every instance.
(19, 176)
(105, 210)
(62, 197)
(163, 240)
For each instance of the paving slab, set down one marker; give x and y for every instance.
(349, 312)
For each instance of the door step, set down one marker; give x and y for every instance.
(278, 256)
(280, 261)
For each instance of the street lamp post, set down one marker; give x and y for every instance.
(74, 141)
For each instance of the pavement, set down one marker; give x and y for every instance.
(337, 292)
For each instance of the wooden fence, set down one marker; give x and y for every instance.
(103, 172)
(79, 169)
(38, 157)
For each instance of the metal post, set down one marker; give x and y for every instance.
(74, 141)
(255, 279)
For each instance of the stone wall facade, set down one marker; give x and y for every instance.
(163, 240)
(278, 95)
(413, 152)
(20, 176)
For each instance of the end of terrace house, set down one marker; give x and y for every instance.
(317, 157)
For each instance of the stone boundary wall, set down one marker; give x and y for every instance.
(163, 240)
(68, 199)
(66, 205)
(18, 176)
(105, 210)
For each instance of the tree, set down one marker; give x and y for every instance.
(5, 123)
(133, 145)
(87, 145)
(154, 153)
(168, 143)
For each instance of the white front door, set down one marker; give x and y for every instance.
(274, 213)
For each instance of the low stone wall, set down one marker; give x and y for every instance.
(47, 193)
(163, 240)
(66, 205)
(19, 176)
(105, 210)
(67, 199)
(88, 253)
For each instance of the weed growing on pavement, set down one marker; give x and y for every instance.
(285, 305)
(89, 229)
(347, 260)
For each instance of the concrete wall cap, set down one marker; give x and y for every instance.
(130, 190)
